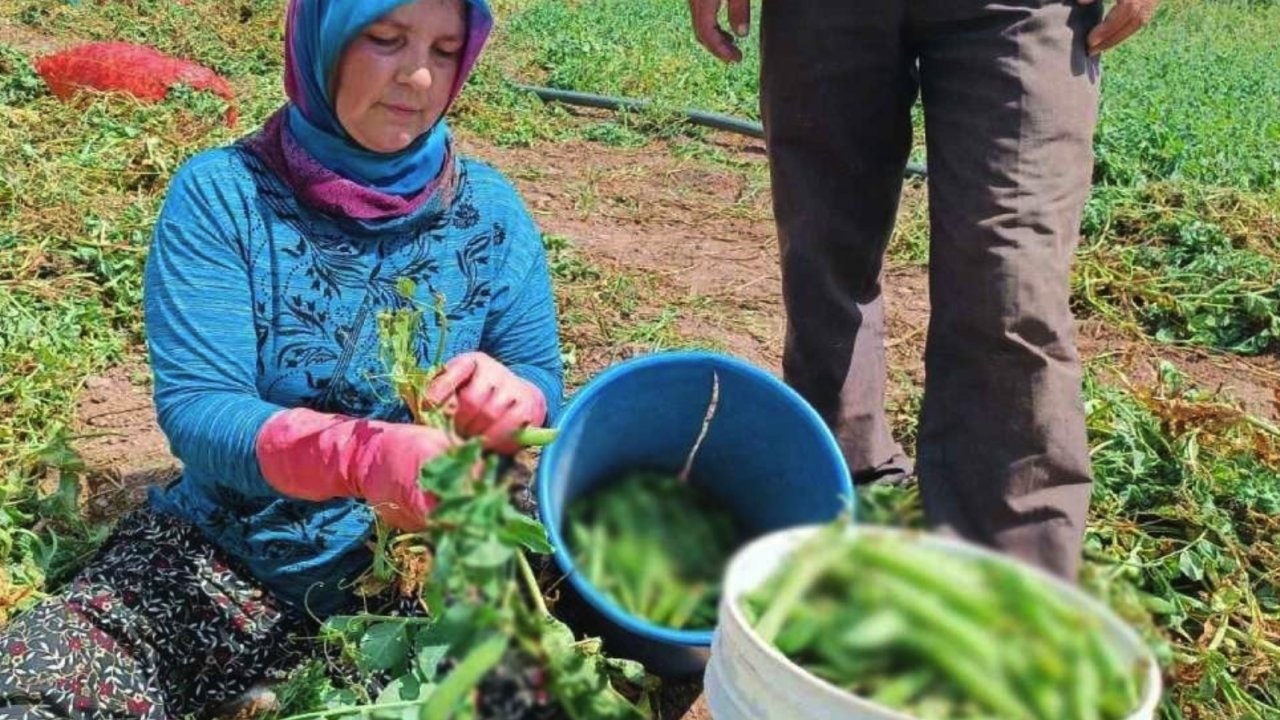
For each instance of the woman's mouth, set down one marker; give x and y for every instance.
(403, 111)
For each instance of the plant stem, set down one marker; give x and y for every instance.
(357, 709)
(367, 618)
(1261, 642)
(535, 436)
(442, 319)
(531, 584)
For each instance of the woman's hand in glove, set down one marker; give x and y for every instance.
(491, 401)
(316, 456)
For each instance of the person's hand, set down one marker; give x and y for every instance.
(492, 402)
(391, 465)
(706, 25)
(1125, 18)
(315, 456)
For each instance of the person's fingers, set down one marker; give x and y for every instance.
(731, 52)
(740, 17)
(1119, 36)
(471, 400)
(706, 26)
(703, 13)
(500, 437)
(487, 413)
(1118, 17)
(457, 372)
(535, 405)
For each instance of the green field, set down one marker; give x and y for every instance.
(1180, 258)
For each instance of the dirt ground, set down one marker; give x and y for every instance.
(708, 230)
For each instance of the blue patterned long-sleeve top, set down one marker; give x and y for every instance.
(255, 303)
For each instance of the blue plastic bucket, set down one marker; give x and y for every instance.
(767, 456)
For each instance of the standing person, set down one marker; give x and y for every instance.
(1010, 96)
(270, 263)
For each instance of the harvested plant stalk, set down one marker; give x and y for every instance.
(488, 647)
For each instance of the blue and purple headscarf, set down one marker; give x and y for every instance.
(306, 144)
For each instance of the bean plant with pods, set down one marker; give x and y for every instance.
(485, 644)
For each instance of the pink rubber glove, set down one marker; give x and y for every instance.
(492, 402)
(316, 456)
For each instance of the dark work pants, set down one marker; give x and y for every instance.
(1010, 102)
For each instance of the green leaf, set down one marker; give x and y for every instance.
(440, 575)
(384, 647)
(557, 637)
(1190, 566)
(406, 688)
(629, 670)
(520, 529)
(64, 502)
(334, 698)
(581, 684)
(449, 474)
(39, 552)
(382, 568)
(434, 643)
(1157, 604)
(429, 658)
(489, 554)
(448, 695)
(342, 626)
(58, 452)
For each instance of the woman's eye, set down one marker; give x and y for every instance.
(385, 41)
(447, 51)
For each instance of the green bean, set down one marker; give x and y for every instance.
(875, 631)
(799, 632)
(971, 680)
(808, 565)
(1086, 690)
(929, 613)
(900, 690)
(670, 597)
(688, 610)
(844, 662)
(1105, 658)
(928, 571)
(1042, 696)
(599, 542)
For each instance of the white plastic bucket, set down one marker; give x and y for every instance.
(748, 679)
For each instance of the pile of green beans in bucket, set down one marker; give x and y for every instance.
(939, 635)
(656, 545)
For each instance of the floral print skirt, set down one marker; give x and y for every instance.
(161, 624)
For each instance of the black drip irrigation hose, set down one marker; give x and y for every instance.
(697, 117)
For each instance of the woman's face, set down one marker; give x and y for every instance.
(395, 77)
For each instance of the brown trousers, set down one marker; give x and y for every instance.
(1010, 103)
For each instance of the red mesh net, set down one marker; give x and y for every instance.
(141, 71)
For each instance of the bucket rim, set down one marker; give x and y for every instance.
(598, 600)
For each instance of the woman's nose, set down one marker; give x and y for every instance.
(418, 77)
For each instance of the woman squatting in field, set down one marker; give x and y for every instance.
(270, 263)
